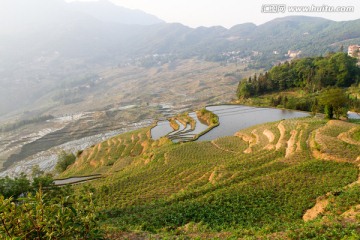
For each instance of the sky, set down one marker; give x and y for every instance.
(227, 13)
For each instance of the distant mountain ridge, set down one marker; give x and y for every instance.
(106, 11)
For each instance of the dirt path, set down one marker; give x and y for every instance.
(215, 175)
(254, 132)
(132, 138)
(319, 208)
(114, 141)
(217, 146)
(345, 137)
(298, 144)
(290, 144)
(93, 151)
(212, 177)
(352, 213)
(282, 131)
(252, 140)
(99, 147)
(315, 138)
(75, 180)
(271, 137)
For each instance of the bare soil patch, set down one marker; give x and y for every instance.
(282, 131)
(319, 208)
(271, 137)
(291, 144)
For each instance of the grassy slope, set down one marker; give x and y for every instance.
(242, 185)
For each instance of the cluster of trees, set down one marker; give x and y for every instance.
(331, 101)
(311, 74)
(322, 79)
(19, 186)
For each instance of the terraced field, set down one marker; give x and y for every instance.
(182, 128)
(114, 154)
(264, 180)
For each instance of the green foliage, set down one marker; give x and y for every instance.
(43, 181)
(64, 160)
(311, 74)
(244, 90)
(329, 111)
(334, 101)
(334, 229)
(36, 171)
(207, 117)
(22, 185)
(356, 135)
(39, 216)
(14, 187)
(317, 81)
(270, 197)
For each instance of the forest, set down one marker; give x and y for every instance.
(322, 80)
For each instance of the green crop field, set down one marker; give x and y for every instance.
(258, 183)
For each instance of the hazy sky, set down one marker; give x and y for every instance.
(227, 13)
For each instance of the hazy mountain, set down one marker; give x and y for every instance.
(106, 11)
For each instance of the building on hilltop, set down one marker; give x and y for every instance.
(293, 54)
(353, 51)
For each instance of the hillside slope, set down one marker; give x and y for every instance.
(261, 181)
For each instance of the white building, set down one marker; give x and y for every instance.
(354, 50)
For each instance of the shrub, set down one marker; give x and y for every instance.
(78, 153)
(39, 216)
(64, 160)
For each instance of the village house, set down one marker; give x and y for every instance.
(354, 50)
(293, 54)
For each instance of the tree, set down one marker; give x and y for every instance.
(36, 171)
(329, 111)
(315, 107)
(64, 160)
(14, 187)
(334, 101)
(341, 48)
(245, 89)
(344, 69)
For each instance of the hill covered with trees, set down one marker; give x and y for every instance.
(309, 84)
